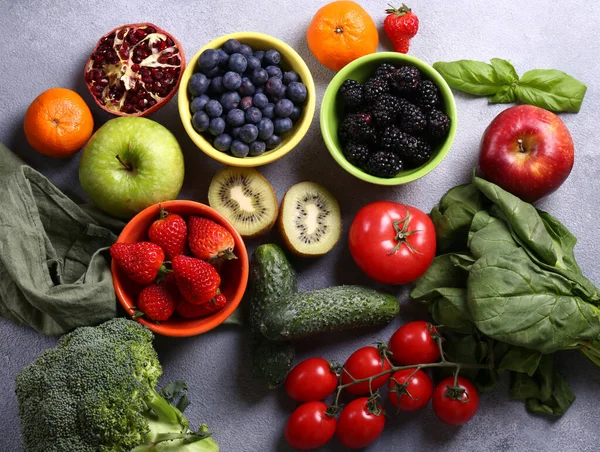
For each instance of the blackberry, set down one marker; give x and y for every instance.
(418, 155)
(428, 95)
(385, 110)
(412, 119)
(384, 164)
(389, 139)
(386, 70)
(438, 124)
(352, 94)
(374, 88)
(357, 127)
(357, 154)
(405, 80)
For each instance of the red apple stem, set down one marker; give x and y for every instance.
(521, 147)
(127, 167)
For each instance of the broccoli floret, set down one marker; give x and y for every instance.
(95, 391)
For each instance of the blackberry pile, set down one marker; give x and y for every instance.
(392, 122)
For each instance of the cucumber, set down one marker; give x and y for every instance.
(272, 278)
(324, 310)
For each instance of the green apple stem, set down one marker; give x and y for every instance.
(521, 147)
(127, 167)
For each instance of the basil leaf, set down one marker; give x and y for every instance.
(551, 89)
(505, 70)
(472, 77)
(504, 96)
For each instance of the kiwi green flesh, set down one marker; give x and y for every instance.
(245, 198)
(310, 219)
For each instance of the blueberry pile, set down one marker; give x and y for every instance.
(242, 100)
(392, 121)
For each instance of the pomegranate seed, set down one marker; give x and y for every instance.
(98, 58)
(163, 59)
(147, 80)
(123, 54)
(151, 102)
(135, 67)
(110, 56)
(132, 39)
(163, 92)
(170, 42)
(142, 103)
(150, 30)
(103, 81)
(136, 59)
(128, 108)
(121, 33)
(173, 60)
(157, 74)
(162, 45)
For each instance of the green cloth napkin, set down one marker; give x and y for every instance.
(54, 262)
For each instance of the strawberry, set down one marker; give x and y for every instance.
(140, 261)
(192, 311)
(169, 232)
(210, 241)
(400, 25)
(157, 302)
(198, 281)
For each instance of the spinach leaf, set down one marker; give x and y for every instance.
(551, 89)
(521, 359)
(444, 272)
(489, 235)
(451, 309)
(476, 77)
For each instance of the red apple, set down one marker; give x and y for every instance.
(527, 151)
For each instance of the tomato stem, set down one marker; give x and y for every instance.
(402, 234)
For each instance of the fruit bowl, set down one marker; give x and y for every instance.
(234, 274)
(360, 70)
(290, 60)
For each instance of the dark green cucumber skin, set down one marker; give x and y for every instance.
(272, 278)
(324, 310)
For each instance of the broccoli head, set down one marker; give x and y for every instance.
(95, 391)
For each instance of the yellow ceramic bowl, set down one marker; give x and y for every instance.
(290, 60)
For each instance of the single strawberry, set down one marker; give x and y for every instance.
(197, 281)
(157, 302)
(400, 25)
(210, 241)
(169, 232)
(192, 311)
(140, 261)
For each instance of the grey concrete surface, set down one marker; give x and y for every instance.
(45, 44)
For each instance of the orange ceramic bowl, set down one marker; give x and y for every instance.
(234, 274)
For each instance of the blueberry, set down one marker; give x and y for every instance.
(239, 149)
(245, 50)
(273, 142)
(265, 128)
(268, 111)
(284, 108)
(208, 60)
(248, 133)
(211, 73)
(216, 126)
(216, 85)
(260, 76)
(246, 103)
(232, 46)
(257, 148)
(260, 100)
(222, 142)
(296, 113)
(273, 86)
(259, 89)
(236, 117)
(229, 100)
(296, 91)
(253, 115)
(247, 87)
(282, 125)
(272, 57)
(223, 58)
(253, 63)
(290, 76)
(259, 54)
(232, 80)
(274, 71)
(198, 84)
(200, 121)
(237, 63)
(235, 132)
(198, 103)
(213, 108)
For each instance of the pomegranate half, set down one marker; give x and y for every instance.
(134, 70)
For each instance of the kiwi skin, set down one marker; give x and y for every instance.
(286, 240)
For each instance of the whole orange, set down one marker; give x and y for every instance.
(58, 123)
(341, 32)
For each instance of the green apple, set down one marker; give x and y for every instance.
(129, 164)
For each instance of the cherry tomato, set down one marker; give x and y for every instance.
(392, 243)
(419, 387)
(455, 405)
(312, 379)
(360, 423)
(364, 363)
(309, 426)
(413, 343)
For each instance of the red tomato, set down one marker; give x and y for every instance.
(358, 426)
(309, 426)
(412, 343)
(419, 387)
(310, 380)
(452, 405)
(392, 243)
(364, 363)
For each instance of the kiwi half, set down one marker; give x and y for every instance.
(244, 197)
(309, 220)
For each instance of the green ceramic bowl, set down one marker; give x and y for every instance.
(361, 69)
